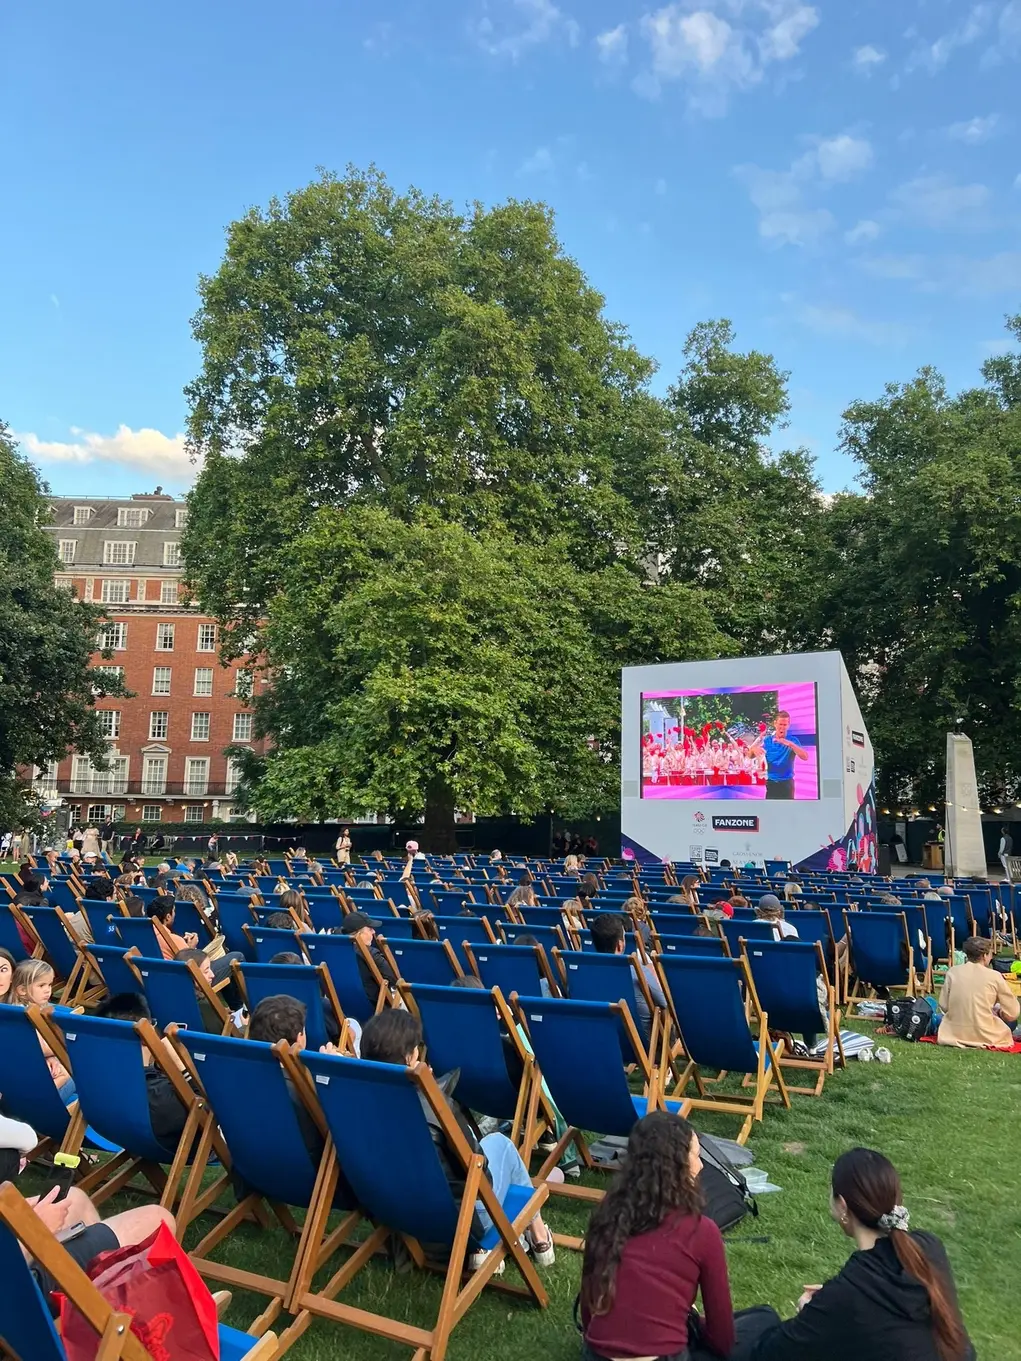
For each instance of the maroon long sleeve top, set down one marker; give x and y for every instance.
(659, 1275)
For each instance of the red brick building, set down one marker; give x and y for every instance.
(167, 761)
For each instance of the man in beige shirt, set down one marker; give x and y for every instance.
(979, 1007)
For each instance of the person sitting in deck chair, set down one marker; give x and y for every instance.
(396, 1037)
(361, 927)
(770, 909)
(166, 1113)
(608, 938)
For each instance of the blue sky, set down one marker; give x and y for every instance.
(841, 179)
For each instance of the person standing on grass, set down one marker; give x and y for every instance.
(342, 848)
(650, 1251)
(894, 1300)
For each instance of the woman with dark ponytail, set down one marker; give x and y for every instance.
(895, 1298)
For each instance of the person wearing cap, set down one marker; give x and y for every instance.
(362, 928)
(770, 909)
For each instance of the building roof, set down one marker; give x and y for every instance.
(159, 512)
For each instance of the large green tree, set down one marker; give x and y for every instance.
(46, 641)
(420, 500)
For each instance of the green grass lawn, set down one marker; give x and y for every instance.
(947, 1119)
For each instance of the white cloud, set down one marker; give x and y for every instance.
(787, 227)
(721, 46)
(846, 324)
(163, 457)
(785, 218)
(936, 202)
(528, 24)
(866, 59)
(967, 276)
(660, 187)
(933, 56)
(541, 162)
(612, 45)
(865, 230)
(843, 157)
(974, 130)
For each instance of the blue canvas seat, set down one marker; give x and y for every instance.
(512, 968)
(398, 928)
(676, 923)
(591, 977)
(549, 937)
(474, 930)
(140, 933)
(714, 946)
(189, 919)
(308, 984)
(234, 913)
(101, 917)
(424, 961)
(340, 956)
(263, 942)
(708, 1000)
(171, 988)
(785, 975)
(270, 1160)
(449, 902)
(734, 930)
(27, 1327)
(10, 938)
(110, 1075)
(324, 911)
(880, 953)
(62, 950)
(376, 1116)
(577, 1047)
(113, 963)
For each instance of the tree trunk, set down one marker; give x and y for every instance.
(438, 835)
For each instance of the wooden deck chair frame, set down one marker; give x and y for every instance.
(77, 989)
(652, 1089)
(211, 994)
(545, 968)
(385, 997)
(526, 1127)
(430, 1344)
(854, 994)
(253, 1206)
(766, 1075)
(824, 1066)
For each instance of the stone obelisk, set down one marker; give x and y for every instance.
(964, 850)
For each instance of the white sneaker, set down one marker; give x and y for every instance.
(866, 1056)
(542, 1253)
(883, 1056)
(477, 1260)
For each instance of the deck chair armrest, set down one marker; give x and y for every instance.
(49, 1032)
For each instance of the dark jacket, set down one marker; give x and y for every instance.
(381, 963)
(452, 1166)
(873, 1310)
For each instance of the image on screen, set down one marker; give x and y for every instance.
(735, 742)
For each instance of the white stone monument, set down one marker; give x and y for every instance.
(964, 850)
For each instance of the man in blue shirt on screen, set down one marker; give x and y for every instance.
(780, 751)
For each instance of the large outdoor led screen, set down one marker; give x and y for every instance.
(735, 742)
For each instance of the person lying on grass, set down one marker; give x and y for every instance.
(895, 1298)
(396, 1037)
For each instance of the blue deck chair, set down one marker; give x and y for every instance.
(424, 961)
(263, 942)
(10, 939)
(713, 946)
(458, 930)
(593, 1094)
(324, 912)
(784, 973)
(234, 913)
(375, 1115)
(339, 955)
(707, 999)
(26, 1324)
(62, 895)
(812, 925)
(99, 916)
(140, 933)
(62, 949)
(29, 1093)
(169, 986)
(114, 965)
(188, 918)
(676, 923)
(512, 968)
(246, 1088)
(309, 985)
(734, 931)
(469, 1035)
(398, 928)
(549, 937)
(880, 953)
(449, 902)
(110, 1077)
(918, 934)
(590, 977)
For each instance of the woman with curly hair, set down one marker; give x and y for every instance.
(649, 1251)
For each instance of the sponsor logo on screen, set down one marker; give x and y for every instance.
(857, 738)
(736, 823)
(712, 856)
(699, 821)
(695, 853)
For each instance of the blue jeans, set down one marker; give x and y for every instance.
(505, 1170)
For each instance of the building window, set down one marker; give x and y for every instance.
(131, 517)
(237, 814)
(118, 813)
(99, 812)
(164, 637)
(112, 638)
(194, 812)
(109, 722)
(82, 515)
(85, 779)
(47, 776)
(152, 812)
(66, 549)
(233, 775)
(154, 775)
(161, 680)
(168, 592)
(64, 584)
(200, 727)
(171, 553)
(111, 673)
(119, 552)
(203, 680)
(180, 518)
(206, 638)
(116, 592)
(242, 727)
(159, 723)
(196, 776)
(242, 684)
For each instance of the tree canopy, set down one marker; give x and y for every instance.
(46, 641)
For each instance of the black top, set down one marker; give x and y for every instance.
(872, 1311)
(368, 980)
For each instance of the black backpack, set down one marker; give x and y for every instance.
(724, 1189)
(910, 1018)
